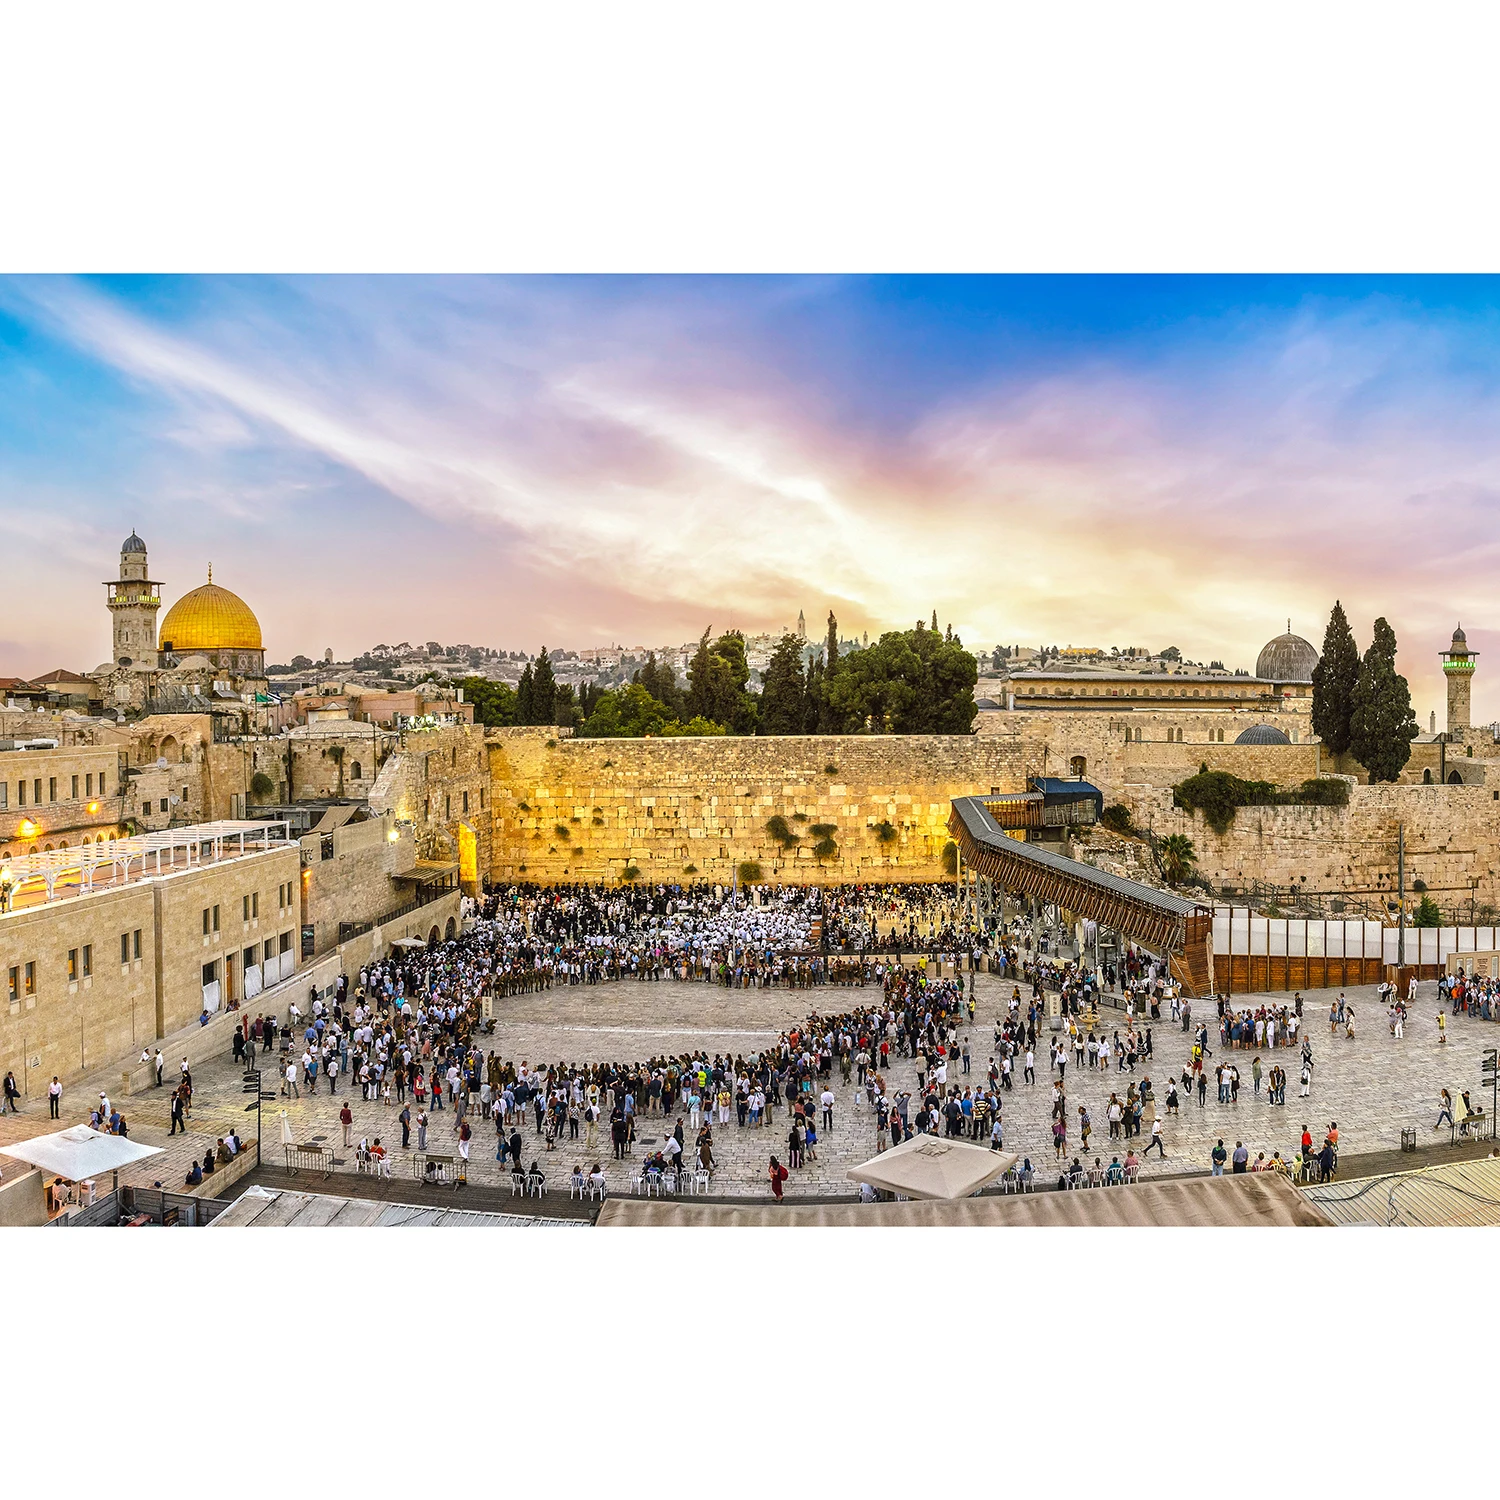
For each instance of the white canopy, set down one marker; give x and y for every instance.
(408, 942)
(930, 1166)
(80, 1152)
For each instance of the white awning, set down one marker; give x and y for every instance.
(80, 1152)
(931, 1166)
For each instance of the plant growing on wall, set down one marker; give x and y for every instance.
(630, 872)
(1116, 818)
(562, 831)
(950, 858)
(885, 833)
(1177, 857)
(261, 787)
(779, 830)
(1217, 795)
(825, 848)
(750, 872)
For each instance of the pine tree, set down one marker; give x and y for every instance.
(700, 679)
(1382, 725)
(544, 691)
(934, 622)
(1333, 681)
(781, 705)
(830, 721)
(525, 698)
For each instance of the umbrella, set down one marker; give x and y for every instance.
(80, 1152)
(929, 1166)
(408, 942)
(286, 1131)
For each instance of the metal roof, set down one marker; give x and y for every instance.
(985, 830)
(261, 1208)
(1460, 1193)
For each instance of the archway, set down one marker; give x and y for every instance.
(168, 749)
(432, 938)
(1078, 765)
(448, 931)
(1454, 779)
(1426, 775)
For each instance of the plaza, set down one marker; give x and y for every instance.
(1374, 1085)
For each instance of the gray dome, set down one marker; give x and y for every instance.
(1286, 659)
(1262, 734)
(132, 543)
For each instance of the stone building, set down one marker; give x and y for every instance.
(99, 960)
(1458, 673)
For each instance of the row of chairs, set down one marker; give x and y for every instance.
(656, 1184)
(527, 1184)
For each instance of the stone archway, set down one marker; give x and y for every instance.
(448, 931)
(432, 938)
(1454, 779)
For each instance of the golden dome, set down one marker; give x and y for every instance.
(210, 618)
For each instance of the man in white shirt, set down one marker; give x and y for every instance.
(827, 1102)
(290, 1089)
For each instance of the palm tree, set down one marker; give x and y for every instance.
(1177, 857)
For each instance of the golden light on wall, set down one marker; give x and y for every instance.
(28, 829)
(93, 807)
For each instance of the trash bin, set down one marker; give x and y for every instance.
(1409, 1139)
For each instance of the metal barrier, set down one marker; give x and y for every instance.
(310, 1158)
(441, 1171)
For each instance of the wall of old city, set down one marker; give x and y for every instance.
(665, 804)
(1452, 841)
(348, 875)
(439, 781)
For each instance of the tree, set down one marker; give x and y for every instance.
(1177, 857)
(661, 682)
(781, 699)
(1381, 725)
(494, 702)
(717, 683)
(1427, 914)
(908, 682)
(525, 698)
(543, 691)
(301, 663)
(1333, 682)
(830, 719)
(1171, 654)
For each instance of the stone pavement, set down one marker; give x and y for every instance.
(1373, 1086)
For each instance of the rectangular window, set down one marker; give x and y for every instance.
(270, 949)
(184, 794)
(210, 973)
(255, 903)
(75, 789)
(101, 783)
(447, 809)
(20, 794)
(216, 919)
(4, 793)
(88, 960)
(88, 785)
(72, 965)
(13, 990)
(36, 792)
(286, 942)
(52, 789)
(164, 804)
(31, 978)
(244, 908)
(481, 799)
(250, 953)
(145, 809)
(205, 921)
(136, 940)
(466, 804)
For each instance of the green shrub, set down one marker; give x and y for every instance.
(261, 787)
(1116, 818)
(779, 830)
(1427, 914)
(884, 832)
(1218, 795)
(830, 769)
(690, 869)
(825, 848)
(563, 832)
(750, 872)
(823, 830)
(950, 858)
(799, 817)
(630, 872)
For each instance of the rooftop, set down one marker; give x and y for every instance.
(64, 874)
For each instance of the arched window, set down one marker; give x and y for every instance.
(358, 775)
(1427, 776)
(1078, 765)
(1454, 779)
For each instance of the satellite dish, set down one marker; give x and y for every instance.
(161, 761)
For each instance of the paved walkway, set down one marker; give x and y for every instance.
(1373, 1086)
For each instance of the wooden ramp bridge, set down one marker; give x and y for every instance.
(1166, 923)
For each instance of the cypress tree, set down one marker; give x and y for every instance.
(1382, 725)
(525, 698)
(544, 691)
(1333, 683)
(830, 721)
(781, 706)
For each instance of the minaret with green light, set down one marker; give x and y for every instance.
(1458, 668)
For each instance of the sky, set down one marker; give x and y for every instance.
(528, 461)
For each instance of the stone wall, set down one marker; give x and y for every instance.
(665, 804)
(439, 781)
(1452, 842)
(347, 875)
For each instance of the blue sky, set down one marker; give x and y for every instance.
(1111, 460)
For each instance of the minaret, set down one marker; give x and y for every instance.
(133, 601)
(801, 626)
(1458, 667)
